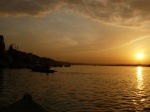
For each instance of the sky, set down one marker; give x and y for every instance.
(80, 31)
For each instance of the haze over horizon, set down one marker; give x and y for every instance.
(81, 31)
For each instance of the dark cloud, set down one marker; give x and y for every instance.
(28, 7)
(123, 12)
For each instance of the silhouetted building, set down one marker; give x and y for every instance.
(2, 44)
(2, 52)
(14, 58)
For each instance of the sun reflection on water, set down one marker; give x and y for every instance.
(139, 78)
(139, 99)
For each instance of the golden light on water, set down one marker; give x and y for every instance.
(140, 86)
(139, 78)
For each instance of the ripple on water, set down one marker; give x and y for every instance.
(80, 88)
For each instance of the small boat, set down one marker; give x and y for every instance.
(40, 68)
(26, 104)
(67, 65)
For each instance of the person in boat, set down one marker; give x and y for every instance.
(26, 104)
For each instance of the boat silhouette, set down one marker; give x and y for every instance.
(26, 104)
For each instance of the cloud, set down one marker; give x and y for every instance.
(28, 7)
(122, 12)
(126, 44)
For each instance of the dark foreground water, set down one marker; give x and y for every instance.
(80, 88)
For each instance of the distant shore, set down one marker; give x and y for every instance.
(143, 65)
(14, 58)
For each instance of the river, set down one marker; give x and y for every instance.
(80, 88)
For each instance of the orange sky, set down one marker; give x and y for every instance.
(84, 31)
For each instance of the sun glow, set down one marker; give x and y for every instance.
(139, 55)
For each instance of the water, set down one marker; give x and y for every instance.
(80, 88)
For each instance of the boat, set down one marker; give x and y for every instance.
(67, 65)
(41, 68)
(26, 104)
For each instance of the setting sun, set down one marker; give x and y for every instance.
(139, 55)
